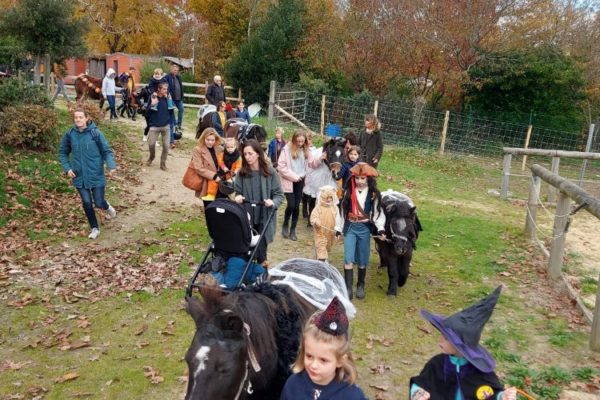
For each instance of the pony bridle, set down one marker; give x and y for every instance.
(246, 384)
(398, 236)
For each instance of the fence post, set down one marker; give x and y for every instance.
(376, 107)
(534, 195)
(239, 94)
(444, 131)
(557, 249)
(595, 335)
(551, 188)
(588, 148)
(505, 175)
(529, 129)
(272, 99)
(322, 115)
(205, 91)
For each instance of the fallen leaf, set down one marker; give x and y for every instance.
(67, 377)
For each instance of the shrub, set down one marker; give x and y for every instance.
(91, 108)
(31, 126)
(15, 91)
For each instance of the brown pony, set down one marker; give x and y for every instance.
(89, 86)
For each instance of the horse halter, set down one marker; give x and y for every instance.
(246, 384)
(398, 236)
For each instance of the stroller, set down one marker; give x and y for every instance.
(230, 256)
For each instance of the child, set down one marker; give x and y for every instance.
(229, 162)
(324, 368)
(362, 214)
(464, 370)
(352, 158)
(371, 141)
(276, 145)
(326, 221)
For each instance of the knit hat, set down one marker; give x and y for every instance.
(228, 107)
(333, 319)
(363, 169)
(463, 330)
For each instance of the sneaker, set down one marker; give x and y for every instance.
(144, 138)
(94, 233)
(112, 213)
(172, 145)
(170, 104)
(208, 197)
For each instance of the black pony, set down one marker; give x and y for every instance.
(402, 228)
(334, 149)
(245, 342)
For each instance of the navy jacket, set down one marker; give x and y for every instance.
(243, 114)
(173, 80)
(162, 116)
(300, 387)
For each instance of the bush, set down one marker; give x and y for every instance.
(91, 108)
(30, 126)
(16, 91)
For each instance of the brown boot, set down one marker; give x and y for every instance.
(149, 162)
(163, 166)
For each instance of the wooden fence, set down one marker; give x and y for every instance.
(556, 156)
(567, 191)
(201, 98)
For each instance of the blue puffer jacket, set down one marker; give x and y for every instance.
(82, 154)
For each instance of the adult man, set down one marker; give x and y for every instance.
(60, 70)
(176, 91)
(216, 91)
(159, 117)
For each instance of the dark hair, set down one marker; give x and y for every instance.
(351, 137)
(263, 166)
(372, 185)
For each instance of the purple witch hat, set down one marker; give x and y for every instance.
(463, 330)
(333, 319)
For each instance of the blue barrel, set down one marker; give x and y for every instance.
(333, 130)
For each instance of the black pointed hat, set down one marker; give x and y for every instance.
(333, 319)
(463, 330)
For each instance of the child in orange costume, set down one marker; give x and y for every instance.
(229, 164)
(326, 221)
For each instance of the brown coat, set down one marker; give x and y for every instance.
(204, 165)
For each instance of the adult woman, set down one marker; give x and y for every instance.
(293, 163)
(218, 118)
(258, 183)
(370, 141)
(83, 152)
(204, 159)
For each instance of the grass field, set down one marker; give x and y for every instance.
(130, 344)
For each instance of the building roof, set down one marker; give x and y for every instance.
(182, 62)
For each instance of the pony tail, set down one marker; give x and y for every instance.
(347, 372)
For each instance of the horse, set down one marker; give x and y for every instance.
(334, 148)
(244, 342)
(241, 130)
(88, 86)
(402, 227)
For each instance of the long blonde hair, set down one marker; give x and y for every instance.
(347, 372)
(294, 149)
(206, 133)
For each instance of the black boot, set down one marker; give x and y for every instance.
(293, 234)
(348, 278)
(285, 230)
(360, 285)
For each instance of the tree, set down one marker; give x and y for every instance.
(516, 84)
(46, 28)
(135, 26)
(269, 53)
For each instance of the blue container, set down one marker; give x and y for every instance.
(333, 130)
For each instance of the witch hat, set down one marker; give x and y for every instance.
(463, 330)
(333, 319)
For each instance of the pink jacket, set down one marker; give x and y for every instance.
(288, 177)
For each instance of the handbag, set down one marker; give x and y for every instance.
(192, 180)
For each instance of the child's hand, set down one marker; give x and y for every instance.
(421, 394)
(509, 393)
(239, 199)
(225, 169)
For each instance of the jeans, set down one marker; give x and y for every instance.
(111, 105)
(357, 244)
(60, 88)
(89, 197)
(179, 105)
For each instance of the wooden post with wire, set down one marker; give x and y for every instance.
(272, 104)
(551, 189)
(527, 138)
(322, 115)
(444, 131)
(532, 202)
(376, 107)
(557, 249)
(595, 335)
(505, 175)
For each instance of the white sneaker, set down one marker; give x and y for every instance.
(112, 213)
(94, 234)
(144, 138)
